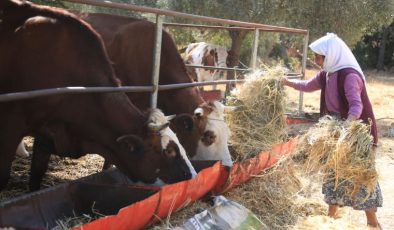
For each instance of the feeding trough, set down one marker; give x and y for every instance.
(105, 192)
(124, 204)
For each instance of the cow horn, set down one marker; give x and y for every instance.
(170, 117)
(155, 127)
(231, 108)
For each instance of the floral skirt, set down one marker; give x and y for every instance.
(360, 201)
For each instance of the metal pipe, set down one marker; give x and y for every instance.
(168, 24)
(184, 85)
(83, 90)
(131, 7)
(253, 60)
(219, 68)
(303, 70)
(156, 59)
(71, 90)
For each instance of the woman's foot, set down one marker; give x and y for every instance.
(372, 220)
(333, 211)
(378, 226)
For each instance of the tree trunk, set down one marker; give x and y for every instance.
(237, 36)
(382, 49)
(283, 52)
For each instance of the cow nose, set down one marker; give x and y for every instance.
(199, 112)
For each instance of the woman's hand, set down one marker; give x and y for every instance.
(351, 117)
(285, 81)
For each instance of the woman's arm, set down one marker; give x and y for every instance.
(310, 85)
(353, 87)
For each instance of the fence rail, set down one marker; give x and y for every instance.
(188, 16)
(159, 21)
(81, 90)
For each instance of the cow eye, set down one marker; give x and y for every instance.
(169, 152)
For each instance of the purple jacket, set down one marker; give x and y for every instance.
(343, 93)
(367, 112)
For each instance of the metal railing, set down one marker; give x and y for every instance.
(235, 25)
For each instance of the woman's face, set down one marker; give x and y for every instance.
(319, 59)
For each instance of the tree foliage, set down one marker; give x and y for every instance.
(368, 49)
(350, 19)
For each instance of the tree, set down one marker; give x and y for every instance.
(348, 18)
(376, 49)
(246, 10)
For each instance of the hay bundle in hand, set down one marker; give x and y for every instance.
(341, 149)
(260, 121)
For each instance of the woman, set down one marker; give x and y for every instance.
(343, 94)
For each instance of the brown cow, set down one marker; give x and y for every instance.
(41, 48)
(130, 45)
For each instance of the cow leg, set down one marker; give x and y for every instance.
(7, 150)
(42, 149)
(10, 137)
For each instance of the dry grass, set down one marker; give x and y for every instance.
(78, 220)
(342, 151)
(60, 170)
(278, 197)
(260, 121)
(179, 217)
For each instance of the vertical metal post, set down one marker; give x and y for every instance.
(156, 59)
(304, 58)
(253, 60)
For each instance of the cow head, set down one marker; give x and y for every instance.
(189, 129)
(160, 156)
(213, 142)
(216, 56)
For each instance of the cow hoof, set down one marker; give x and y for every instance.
(208, 138)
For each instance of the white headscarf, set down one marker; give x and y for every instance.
(337, 54)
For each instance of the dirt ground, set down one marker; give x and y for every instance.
(380, 88)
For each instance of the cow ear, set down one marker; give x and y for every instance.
(182, 122)
(130, 144)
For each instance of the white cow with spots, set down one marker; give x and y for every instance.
(206, 54)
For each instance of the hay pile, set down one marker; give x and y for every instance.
(181, 216)
(280, 196)
(78, 220)
(260, 121)
(341, 150)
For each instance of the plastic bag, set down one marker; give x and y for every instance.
(223, 215)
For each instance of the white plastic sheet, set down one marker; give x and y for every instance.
(223, 215)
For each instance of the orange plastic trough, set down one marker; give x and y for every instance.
(214, 179)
